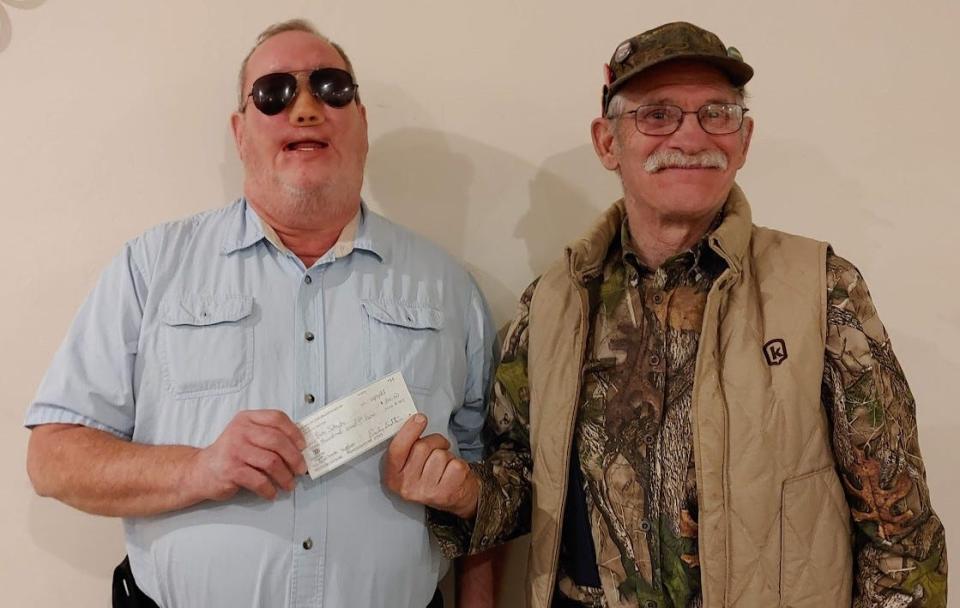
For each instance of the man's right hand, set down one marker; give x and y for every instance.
(424, 470)
(258, 451)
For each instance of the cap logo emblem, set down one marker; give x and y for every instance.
(733, 53)
(623, 51)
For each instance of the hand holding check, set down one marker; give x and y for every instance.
(424, 470)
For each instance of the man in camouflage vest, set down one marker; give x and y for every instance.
(691, 410)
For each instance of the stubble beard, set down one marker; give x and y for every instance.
(297, 204)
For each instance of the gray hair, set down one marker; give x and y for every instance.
(291, 25)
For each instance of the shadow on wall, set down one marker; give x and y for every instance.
(463, 194)
(795, 187)
(6, 26)
(441, 186)
(567, 195)
(425, 180)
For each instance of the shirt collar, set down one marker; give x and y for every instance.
(364, 231)
(699, 259)
(373, 234)
(244, 228)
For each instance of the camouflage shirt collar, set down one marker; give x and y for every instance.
(730, 241)
(700, 259)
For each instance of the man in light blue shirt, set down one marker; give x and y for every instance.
(171, 402)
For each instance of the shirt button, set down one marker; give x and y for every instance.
(307, 279)
(650, 604)
(309, 398)
(644, 524)
(648, 439)
(308, 336)
(308, 544)
(654, 360)
(658, 298)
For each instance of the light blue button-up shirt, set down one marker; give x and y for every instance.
(199, 319)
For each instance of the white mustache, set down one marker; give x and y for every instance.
(667, 159)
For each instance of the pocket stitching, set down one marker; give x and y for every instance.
(825, 498)
(231, 308)
(392, 323)
(209, 388)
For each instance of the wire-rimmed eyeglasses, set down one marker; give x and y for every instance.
(664, 119)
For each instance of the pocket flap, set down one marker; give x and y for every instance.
(412, 316)
(196, 309)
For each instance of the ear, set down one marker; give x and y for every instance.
(236, 125)
(747, 137)
(605, 142)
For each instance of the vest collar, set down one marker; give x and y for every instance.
(730, 240)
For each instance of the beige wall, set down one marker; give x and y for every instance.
(113, 117)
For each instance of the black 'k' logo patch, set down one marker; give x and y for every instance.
(775, 351)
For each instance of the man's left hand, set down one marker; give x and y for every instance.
(424, 470)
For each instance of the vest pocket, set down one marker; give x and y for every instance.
(816, 566)
(207, 344)
(404, 337)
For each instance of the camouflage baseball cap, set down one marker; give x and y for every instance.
(679, 40)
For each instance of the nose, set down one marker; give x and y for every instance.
(306, 110)
(690, 136)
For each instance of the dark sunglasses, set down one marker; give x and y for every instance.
(274, 92)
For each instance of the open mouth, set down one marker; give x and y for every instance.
(306, 145)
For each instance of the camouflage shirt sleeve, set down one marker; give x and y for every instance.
(900, 553)
(504, 508)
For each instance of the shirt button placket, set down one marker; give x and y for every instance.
(308, 397)
(308, 514)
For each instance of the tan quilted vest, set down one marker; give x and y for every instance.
(774, 525)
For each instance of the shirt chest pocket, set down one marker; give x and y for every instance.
(206, 344)
(405, 337)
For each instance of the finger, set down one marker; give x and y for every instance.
(272, 465)
(436, 441)
(459, 487)
(454, 475)
(421, 451)
(269, 438)
(433, 469)
(251, 479)
(399, 449)
(417, 458)
(278, 420)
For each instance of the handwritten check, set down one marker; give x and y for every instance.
(348, 427)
